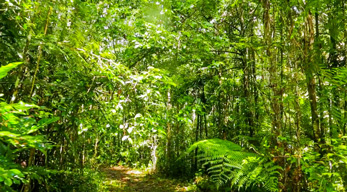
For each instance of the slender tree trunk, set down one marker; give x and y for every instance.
(169, 134)
(311, 81)
(271, 58)
(196, 139)
(154, 153)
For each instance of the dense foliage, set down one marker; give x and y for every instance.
(253, 90)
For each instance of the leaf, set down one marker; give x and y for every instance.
(8, 182)
(23, 106)
(8, 134)
(46, 121)
(162, 131)
(5, 69)
(16, 172)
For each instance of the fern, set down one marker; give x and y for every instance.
(225, 162)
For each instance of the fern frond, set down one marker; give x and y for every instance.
(225, 162)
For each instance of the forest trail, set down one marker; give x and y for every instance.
(124, 179)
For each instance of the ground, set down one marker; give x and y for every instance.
(123, 179)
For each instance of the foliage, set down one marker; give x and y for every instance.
(327, 172)
(87, 181)
(16, 128)
(86, 84)
(5, 69)
(225, 161)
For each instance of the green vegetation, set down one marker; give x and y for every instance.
(194, 95)
(227, 162)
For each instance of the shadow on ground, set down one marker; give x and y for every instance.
(123, 179)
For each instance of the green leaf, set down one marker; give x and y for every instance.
(46, 121)
(8, 134)
(5, 69)
(8, 182)
(17, 172)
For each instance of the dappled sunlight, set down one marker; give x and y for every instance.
(121, 178)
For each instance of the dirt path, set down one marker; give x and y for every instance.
(123, 179)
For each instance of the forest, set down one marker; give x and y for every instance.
(173, 95)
